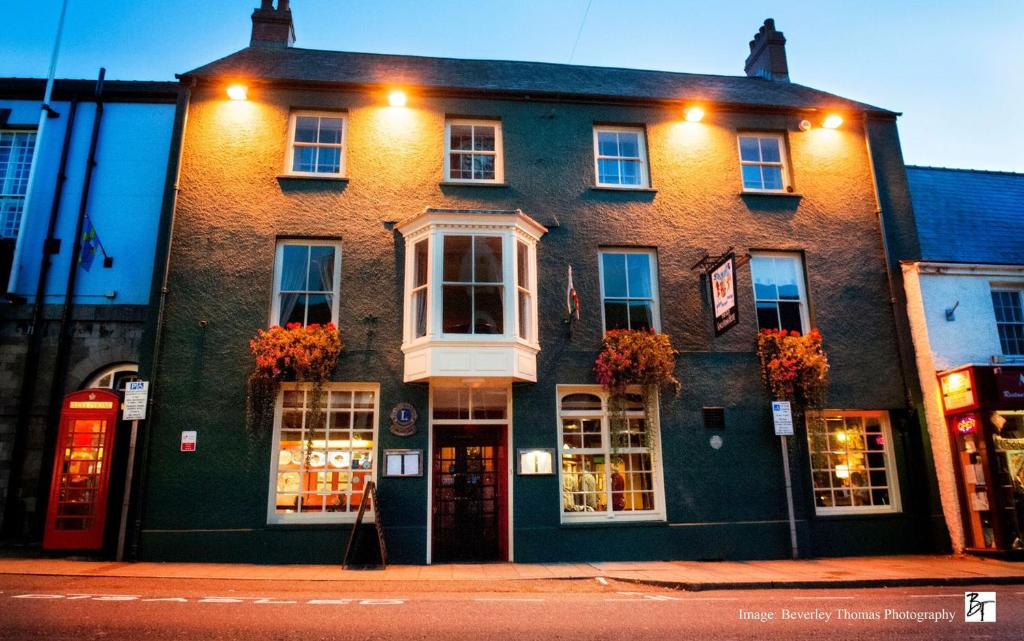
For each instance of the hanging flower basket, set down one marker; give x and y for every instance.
(793, 367)
(291, 353)
(635, 358)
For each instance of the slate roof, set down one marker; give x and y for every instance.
(509, 77)
(968, 216)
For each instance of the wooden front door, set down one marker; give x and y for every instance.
(77, 511)
(470, 508)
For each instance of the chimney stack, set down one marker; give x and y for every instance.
(272, 27)
(767, 57)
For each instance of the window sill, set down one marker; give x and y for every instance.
(646, 190)
(840, 514)
(343, 179)
(653, 521)
(470, 183)
(773, 194)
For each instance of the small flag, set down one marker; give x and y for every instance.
(572, 301)
(89, 245)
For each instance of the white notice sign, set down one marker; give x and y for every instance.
(188, 441)
(782, 415)
(136, 395)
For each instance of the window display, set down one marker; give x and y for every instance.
(851, 466)
(321, 470)
(606, 474)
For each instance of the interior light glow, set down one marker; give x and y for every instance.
(397, 98)
(694, 114)
(832, 121)
(842, 471)
(238, 92)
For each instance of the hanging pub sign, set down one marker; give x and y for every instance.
(723, 293)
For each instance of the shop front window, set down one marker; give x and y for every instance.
(606, 475)
(852, 467)
(323, 461)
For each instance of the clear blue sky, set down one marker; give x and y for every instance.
(955, 68)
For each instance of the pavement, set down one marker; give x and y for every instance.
(848, 572)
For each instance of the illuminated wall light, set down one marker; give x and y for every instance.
(805, 125)
(694, 114)
(832, 121)
(397, 98)
(238, 92)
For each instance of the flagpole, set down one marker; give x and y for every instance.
(46, 112)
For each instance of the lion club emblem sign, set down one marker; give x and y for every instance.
(403, 419)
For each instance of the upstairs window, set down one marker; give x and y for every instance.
(779, 294)
(473, 151)
(762, 161)
(316, 144)
(629, 284)
(524, 290)
(473, 285)
(306, 282)
(1009, 320)
(620, 154)
(16, 148)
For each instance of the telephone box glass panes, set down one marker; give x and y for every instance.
(628, 290)
(473, 294)
(80, 476)
(306, 288)
(323, 464)
(778, 292)
(1009, 320)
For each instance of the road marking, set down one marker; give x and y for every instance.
(934, 596)
(507, 599)
(711, 598)
(602, 580)
(823, 598)
(643, 596)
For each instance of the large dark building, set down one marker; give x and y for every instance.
(432, 208)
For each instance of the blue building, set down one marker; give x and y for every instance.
(100, 176)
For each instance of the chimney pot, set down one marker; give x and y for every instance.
(767, 57)
(272, 27)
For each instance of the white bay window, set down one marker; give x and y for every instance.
(470, 283)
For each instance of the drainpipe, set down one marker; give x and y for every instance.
(901, 336)
(64, 341)
(31, 369)
(149, 353)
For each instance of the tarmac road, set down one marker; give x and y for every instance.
(53, 608)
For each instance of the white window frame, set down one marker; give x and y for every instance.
(506, 286)
(528, 291)
(498, 153)
(343, 146)
(657, 477)
(273, 517)
(783, 161)
(1020, 300)
(6, 181)
(645, 179)
(891, 473)
(655, 285)
(275, 305)
(801, 283)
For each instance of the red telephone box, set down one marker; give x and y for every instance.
(77, 511)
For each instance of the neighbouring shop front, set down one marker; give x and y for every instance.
(984, 408)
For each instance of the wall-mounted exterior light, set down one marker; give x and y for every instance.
(805, 125)
(238, 92)
(397, 98)
(694, 114)
(832, 121)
